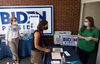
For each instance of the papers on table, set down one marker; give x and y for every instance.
(55, 62)
(56, 55)
(58, 50)
(66, 53)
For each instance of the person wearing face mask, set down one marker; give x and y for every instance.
(13, 38)
(88, 36)
(38, 44)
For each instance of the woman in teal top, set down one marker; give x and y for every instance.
(88, 35)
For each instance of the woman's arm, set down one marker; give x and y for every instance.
(94, 39)
(36, 42)
(87, 38)
(80, 36)
(7, 35)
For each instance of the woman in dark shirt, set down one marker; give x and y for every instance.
(36, 57)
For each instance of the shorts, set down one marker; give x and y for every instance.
(36, 57)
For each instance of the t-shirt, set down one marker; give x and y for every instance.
(88, 45)
(13, 32)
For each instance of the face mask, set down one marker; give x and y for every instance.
(45, 28)
(14, 22)
(86, 23)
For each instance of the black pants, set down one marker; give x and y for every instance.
(83, 55)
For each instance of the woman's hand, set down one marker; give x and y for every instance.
(91, 38)
(46, 50)
(88, 38)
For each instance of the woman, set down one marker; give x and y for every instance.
(38, 43)
(88, 35)
(13, 38)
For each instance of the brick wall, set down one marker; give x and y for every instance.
(66, 13)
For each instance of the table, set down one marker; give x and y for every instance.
(73, 59)
(4, 51)
(25, 47)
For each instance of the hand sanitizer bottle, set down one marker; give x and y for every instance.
(63, 59)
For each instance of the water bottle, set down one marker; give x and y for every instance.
(63, 59)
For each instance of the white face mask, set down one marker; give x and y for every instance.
(14, 22)
(86, 23)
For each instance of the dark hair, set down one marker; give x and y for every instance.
(91, 21)
(41, 24)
